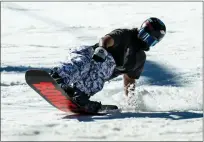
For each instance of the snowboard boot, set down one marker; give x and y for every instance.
(53, 73)
(83, 101)
(69, 90)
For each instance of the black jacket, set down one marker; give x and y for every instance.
(128, 52)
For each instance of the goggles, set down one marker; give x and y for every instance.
(146, 37)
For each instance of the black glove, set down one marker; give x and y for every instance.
(100, 54)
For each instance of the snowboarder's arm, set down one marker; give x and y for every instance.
(100, 52)
(106, 41)
(115, 38)
(129, 84)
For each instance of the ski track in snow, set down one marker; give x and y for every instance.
(168, 105)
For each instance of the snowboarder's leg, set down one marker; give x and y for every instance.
(76, 66)
(86, 76)
(73, 71)
(93, 82)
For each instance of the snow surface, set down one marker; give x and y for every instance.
(168, 104)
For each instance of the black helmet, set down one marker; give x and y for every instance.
(152, 31)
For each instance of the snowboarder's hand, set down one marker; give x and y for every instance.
(100, 54)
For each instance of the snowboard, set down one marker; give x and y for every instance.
(41, 82)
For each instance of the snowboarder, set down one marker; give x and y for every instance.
(120, 52)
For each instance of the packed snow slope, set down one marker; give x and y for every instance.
(168, 103)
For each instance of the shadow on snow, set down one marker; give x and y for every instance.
(20, 68)
(158, 74)
(123, 115)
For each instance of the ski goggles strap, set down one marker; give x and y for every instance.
(146, 37)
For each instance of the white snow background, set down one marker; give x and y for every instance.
(168, 104)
